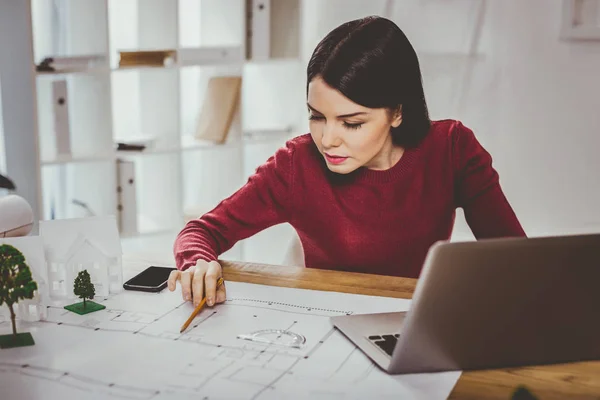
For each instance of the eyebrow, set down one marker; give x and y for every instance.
(339, 116)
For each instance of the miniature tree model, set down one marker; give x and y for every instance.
(84, 288)
(16, 284)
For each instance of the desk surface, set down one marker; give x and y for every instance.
(572, 381)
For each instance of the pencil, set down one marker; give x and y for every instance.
(198, 309)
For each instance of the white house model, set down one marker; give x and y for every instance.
(74, 245)
(32, 309)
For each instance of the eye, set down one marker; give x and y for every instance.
(352, 126)
(313, 117)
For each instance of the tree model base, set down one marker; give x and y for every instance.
(90, 307)
(20, 340)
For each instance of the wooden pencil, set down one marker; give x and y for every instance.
(198, 309)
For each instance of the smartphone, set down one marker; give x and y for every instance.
(152, 279)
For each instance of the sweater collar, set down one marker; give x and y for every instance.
(402, 166)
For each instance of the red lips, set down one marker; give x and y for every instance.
(335, 159)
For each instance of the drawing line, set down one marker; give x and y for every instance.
(342, 363)
(277, 379)
(198, 323)
(290, 305)
(208, 378)
(235, 372)
(366, 373)
(320, 343)
(82, 326)
(286, 311)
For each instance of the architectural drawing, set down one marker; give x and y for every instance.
(133, 350)
(72, 245)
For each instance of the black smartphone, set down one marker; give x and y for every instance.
(152, 279)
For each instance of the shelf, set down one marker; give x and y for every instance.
(176, 66)
(108, 103)
(144, 67)
(194, 57)
(74, 71)
(69, 159)
(189, 143)
(209, 56)
(153, 146)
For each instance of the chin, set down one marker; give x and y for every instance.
(341, 169)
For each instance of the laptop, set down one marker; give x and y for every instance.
(492, 303)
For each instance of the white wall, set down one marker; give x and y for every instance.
(532, 99)
(18, 100)
(2, 151)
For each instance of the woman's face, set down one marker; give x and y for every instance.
(349, 135)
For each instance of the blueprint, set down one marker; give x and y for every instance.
(133, 350)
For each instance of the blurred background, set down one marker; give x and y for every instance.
(127, 107)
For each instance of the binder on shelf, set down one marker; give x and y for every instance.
(126, 197)
(60, 105)
(148, 58)
(219, 107)
(273, 29)
(259, 37)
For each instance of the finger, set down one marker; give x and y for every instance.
(221, 293)
(210, 282)
(198, 283)
(186, 285)
(173, 278)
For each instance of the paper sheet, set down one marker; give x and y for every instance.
(133, 350)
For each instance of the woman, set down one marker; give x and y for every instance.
(372, 186)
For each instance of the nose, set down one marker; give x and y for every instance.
(330, 137)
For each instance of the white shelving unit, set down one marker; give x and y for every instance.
(108, 104)
(580, 20)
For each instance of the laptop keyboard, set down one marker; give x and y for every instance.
(385, 342)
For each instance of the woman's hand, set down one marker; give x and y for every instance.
(196, 279)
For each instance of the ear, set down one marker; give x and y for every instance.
(397, 117)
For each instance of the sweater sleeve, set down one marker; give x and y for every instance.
(263, 201)
(478, 191)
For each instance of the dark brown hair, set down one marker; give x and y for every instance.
(371, 62)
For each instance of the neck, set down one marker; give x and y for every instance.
(387, 157)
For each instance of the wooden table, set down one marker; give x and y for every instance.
(565, 381)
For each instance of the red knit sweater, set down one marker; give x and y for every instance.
(373, 221)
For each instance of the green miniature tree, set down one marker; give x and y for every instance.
(83, 286)
(16, 283)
